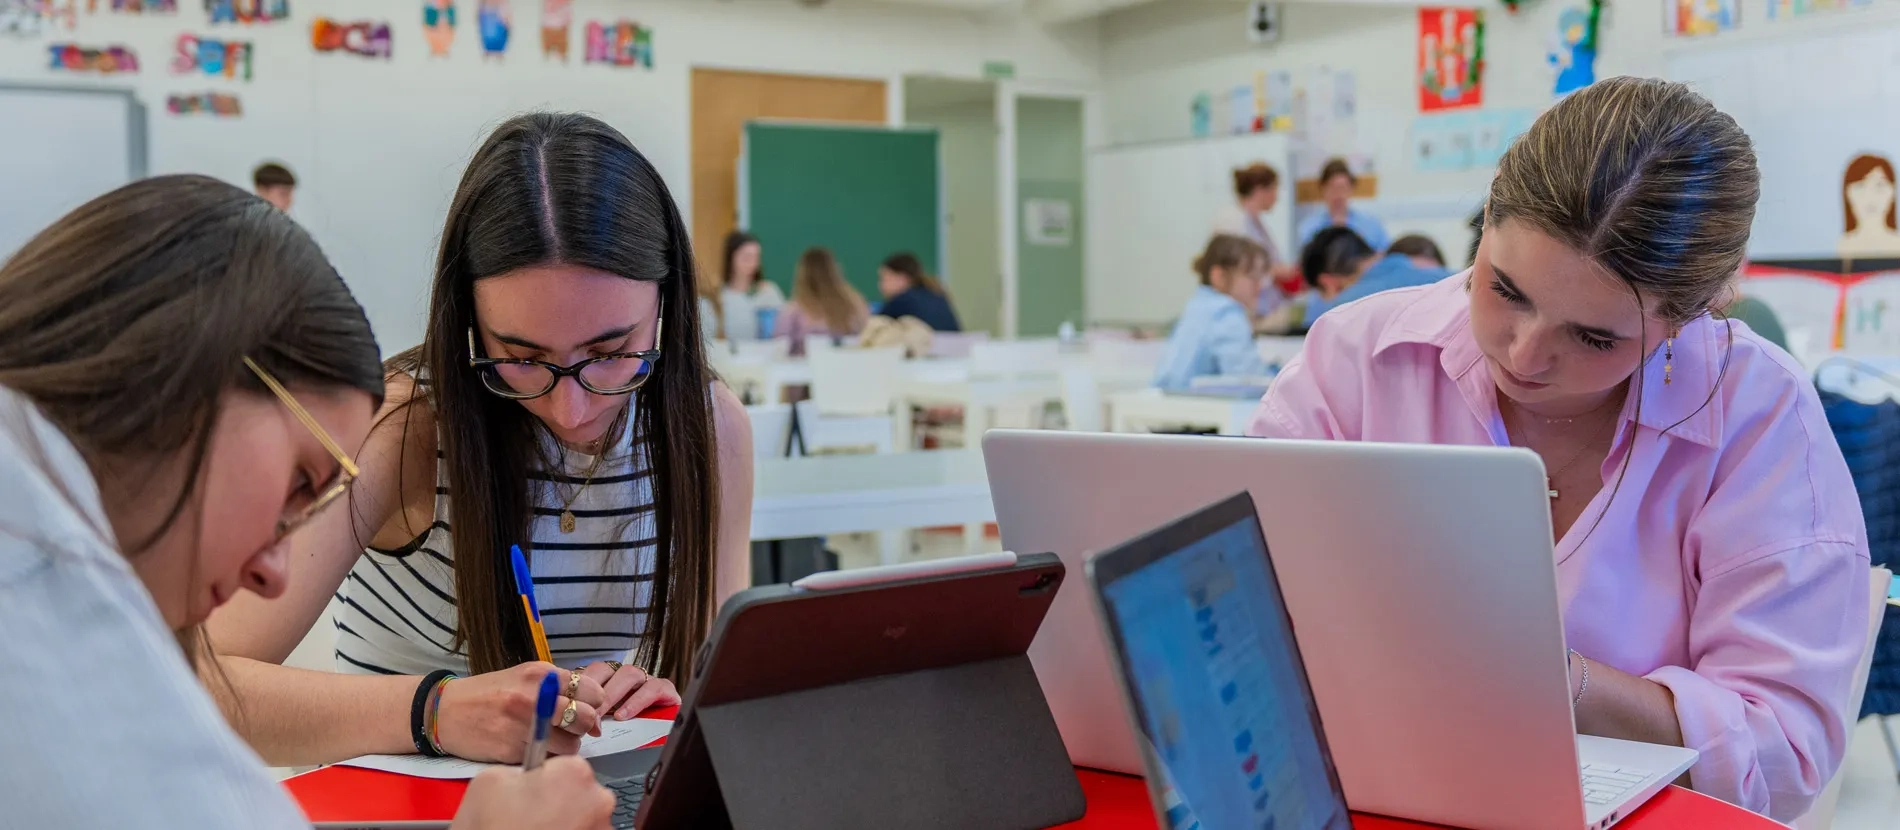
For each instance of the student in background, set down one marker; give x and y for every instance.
(1341, 267)
(1257, 188)
(1712, 559)
(1336, 185)
(744, 291)
(823, 304)
(1214, 336)
(909, 292)
(560, 401)
(275, 184)
(183, 373)
(1421, 250)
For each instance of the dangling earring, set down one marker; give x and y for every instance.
(1669, 359)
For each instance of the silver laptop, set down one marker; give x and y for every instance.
(1432, 639)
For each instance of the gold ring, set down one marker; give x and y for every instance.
(613, 664)
(573, 684)
(567, 716)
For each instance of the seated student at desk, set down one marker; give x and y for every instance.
(744, 291)
(1336, 186)
(1341, 268)
(560, 401)
(1712, 562)
(182, 369)
(823, 303)
(909, 292)
(1214, 336)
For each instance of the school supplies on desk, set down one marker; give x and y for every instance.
(524, 585)
(615, 737)
(543, 718)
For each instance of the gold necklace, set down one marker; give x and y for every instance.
(1550, 479)
(567, 513)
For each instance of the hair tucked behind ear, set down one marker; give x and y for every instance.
(555, 188)
(1645, 177)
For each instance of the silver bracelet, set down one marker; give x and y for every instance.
(1583, 683)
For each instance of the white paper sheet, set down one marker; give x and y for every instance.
(615, 737)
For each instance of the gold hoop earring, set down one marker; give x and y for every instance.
(1669, 359)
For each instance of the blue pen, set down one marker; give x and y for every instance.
(543, 718)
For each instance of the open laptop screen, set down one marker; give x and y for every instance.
(1217, 679)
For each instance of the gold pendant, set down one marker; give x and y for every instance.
(567, 521)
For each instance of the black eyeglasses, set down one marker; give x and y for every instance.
(610, 374)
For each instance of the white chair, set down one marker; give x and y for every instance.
(1125, 356)
(1014, 358)
(853, 392)
(956, 344)
(1820, 816)
(1278, 351)
(1082, 404)
(771, 429)
(761, 351)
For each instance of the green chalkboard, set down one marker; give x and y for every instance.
(863, 192)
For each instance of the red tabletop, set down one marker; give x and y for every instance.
(1116, 802)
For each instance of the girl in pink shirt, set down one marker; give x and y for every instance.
(1711, 558)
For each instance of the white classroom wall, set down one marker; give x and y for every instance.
(379, 145)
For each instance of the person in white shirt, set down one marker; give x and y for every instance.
(182, 371)
(744, 290)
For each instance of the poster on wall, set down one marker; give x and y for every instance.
(1450, 58)
(1867, 209)
(1696, 18)
(1467, 140)
(101, 60)
(1201, 115)
(1049, 222)
(619, 43)
(248, 11)
(213, 104)
(438, 26)
(139, 6)
(493, 19)
(557, 19)
(22, 18)
(217, 58)
(1240, 110)
(1783, 9)
(367, 38)
(1573, 56)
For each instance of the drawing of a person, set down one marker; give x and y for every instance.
(1867, 202)
(556, 18)
(438, 24)
(493, 18)
(1575, 62)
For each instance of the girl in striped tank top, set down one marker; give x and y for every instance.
(559, 401)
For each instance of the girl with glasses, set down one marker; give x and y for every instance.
(181, 373)
(560, 401)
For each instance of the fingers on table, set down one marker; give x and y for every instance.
(625, 682)
(654, 692)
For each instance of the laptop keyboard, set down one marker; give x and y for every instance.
(627, 795)
(1605, 784)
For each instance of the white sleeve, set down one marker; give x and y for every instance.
(105, 724)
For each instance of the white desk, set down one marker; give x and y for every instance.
(823, 495)
(1147, 409)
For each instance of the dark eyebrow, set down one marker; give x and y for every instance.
(607, 336)
(1592, 331)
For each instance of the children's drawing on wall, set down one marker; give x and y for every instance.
(1450, 58)
(106, 60)
(1575, 54)
(1240, 110)
(620, 43)
(21, 18)
(1867, 205)
(215, 104)
(219, 58)
(248, 11)
(494, 20)
(1466, 140)
(1201, 115)
(141, 7)
(360, 37)
(1782, 9)
(1695, 18)
(438, 26)
(557, 17)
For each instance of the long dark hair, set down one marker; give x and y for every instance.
(911, 267)
(127, 320)
(562, 188)
(735, 241)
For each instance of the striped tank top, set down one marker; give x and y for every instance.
(395, 612)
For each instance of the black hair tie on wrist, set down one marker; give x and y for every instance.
(418, 722)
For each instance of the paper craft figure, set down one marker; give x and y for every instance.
(226, 58)
(110, 60)
(494, 20)
(557, 17)
(438, 24)
(247, 11)
(145, 6)
(1450, 71)
(1867, 202)
(218, 104)
(1574, 60)
(362, 37)
(620, 43)
(1695, 18)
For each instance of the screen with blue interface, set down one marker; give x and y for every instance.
(1221, 689)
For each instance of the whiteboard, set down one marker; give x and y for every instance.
(1811, 105)
(60, 148)
(1151, 210)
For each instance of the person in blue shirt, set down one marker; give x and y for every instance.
(1341, 268)
(909, 292)
(1336, 182)
(1214, 336)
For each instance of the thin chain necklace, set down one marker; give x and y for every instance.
(567, 505)
(1550, 480)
